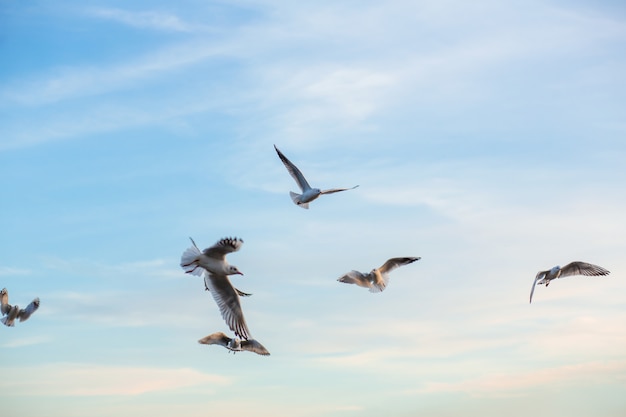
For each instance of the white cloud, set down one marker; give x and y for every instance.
(72, 379)
(145, 19)
(519, 383)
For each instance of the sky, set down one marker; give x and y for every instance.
(486, 137)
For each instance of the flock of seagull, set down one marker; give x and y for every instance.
(211, 264)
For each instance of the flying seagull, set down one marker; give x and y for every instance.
(377, 279)
(213, 261)
(234, 345)
(14, 312)
(308, 194)
(194, 253)
(573, 268)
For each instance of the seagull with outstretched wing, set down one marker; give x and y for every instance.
(308, 194)
(234, 344)
(572, 268)
(212, 265)
(378, 278)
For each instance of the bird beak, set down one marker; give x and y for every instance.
(240, 273)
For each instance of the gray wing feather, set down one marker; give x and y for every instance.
(25, 313)
(217, 338)
(582, 268)
(293, 171)
(223, 247)
(539, 275)
(227, 300)
(394, 263)
(336, 190)
(253, 345)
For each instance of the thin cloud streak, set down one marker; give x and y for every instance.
(146, 19)
(99, 380)
(520, 383)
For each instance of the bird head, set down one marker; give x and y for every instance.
(232, 270)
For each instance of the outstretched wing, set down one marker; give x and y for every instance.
(25, 313)
(5, 307)
(394, 263)
(254, 346)
(223, 247)
(227, 300)
(336, 190)
(582, 268)
(539, 275)
(356, 277)
(293, 171)
(217, 338)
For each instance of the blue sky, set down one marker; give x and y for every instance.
(487, 138)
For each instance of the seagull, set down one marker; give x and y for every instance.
(12, 313)
(213, 261)
(308, 194)
(377, 279)
(25, 313)
(234, 345)
(4, 299)
(195, 252)
(573, 268)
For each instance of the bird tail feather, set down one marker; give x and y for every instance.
(187, 261)
(296, 199)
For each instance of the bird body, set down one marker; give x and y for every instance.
(234, 344)
(11, 315)
(308, 193)
(378, 278)
(573, 268)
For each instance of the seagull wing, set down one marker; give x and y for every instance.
(539, 275)
(227, 300)
(25, 313)
(218, 338)
(5, 307)
(394, 263)
(356, 277)
(336, 190)
(582, 268)
(254, 346)
(294, 171)
(223, 247)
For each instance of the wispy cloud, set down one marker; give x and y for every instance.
(156, 20)
(72, 379)
(28, 341)
(519, 383)
(10, 271)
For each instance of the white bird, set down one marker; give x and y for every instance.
(25, 313)
(213, 261)
(573, 268)
(378, 278)
(12, 313)
(195, 253)
(234, 344)
(308, 194)
(4, 300)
